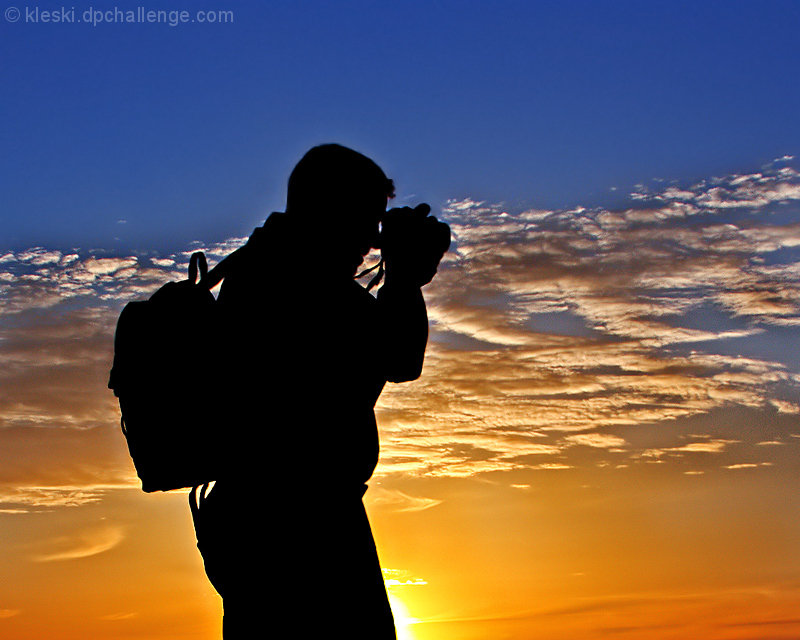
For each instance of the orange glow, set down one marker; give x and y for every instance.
(404, 623)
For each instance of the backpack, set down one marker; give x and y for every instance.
(164, 352)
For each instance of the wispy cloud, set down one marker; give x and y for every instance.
(83, 544)
(399, 501)
(120, 616)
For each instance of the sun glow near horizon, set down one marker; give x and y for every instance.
(403, 621)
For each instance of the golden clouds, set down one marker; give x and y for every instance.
(552, 332)
(556, 328)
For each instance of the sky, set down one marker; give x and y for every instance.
(605, 438)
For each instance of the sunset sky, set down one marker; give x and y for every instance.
(605, 440)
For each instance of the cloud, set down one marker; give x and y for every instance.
(83, 544)
(554, 334)
(399, 501)
(783, 406)
(705, 446)
(36, 498)
(633, 287)
(748, 465)
(120, 616)
(600, 440)
(48, 497)
(401, 578)
(39, 278)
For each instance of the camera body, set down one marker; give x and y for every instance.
(415, 226)
(412, 243)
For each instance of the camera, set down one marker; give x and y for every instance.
(412, 243)
(413, 229)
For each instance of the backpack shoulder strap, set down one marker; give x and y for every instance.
(222, 269)
(227, 265)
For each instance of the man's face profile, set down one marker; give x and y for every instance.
(341, 196)
(357, 227)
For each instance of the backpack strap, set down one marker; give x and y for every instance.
(210, 279)
(376, 278)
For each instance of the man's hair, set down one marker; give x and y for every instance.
(330, 175)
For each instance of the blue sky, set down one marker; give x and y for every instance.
(189, 132)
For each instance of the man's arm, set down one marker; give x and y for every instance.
(404, 330)
(412, 244)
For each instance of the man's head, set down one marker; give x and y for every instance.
(339, 196)
(329, 177)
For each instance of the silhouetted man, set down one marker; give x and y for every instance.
(283, 533)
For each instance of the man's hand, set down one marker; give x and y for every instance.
(412, 245)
